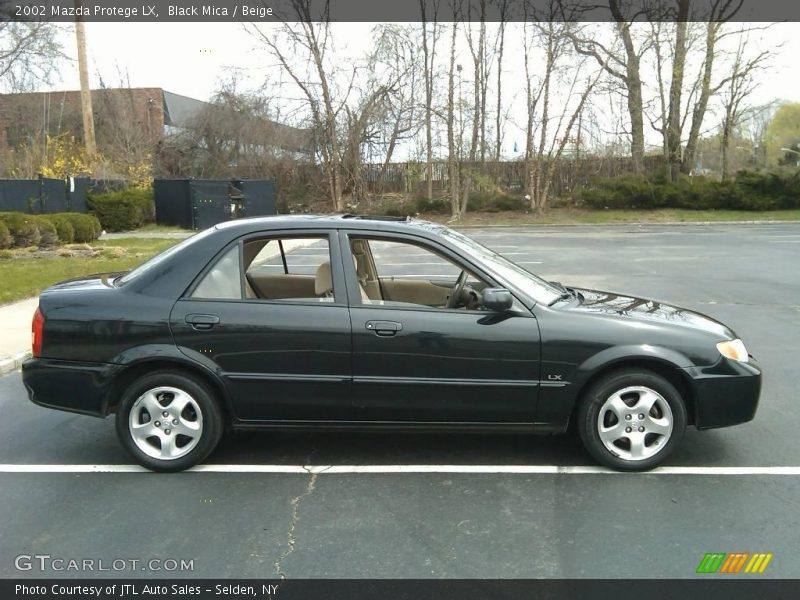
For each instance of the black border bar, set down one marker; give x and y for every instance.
(409, 11)
(711, 587)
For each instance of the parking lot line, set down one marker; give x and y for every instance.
(405, 469)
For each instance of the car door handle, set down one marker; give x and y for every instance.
(202, 322)
(384, 328)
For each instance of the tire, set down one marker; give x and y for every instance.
(631, 420)
(182, 438)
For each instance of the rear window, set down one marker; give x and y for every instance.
(159, 258)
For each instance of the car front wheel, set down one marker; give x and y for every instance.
(631, 420)
(168, 421)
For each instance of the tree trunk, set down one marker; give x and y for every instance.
(726, 149)
(498, 130)
(452, 165)
(633, 83)
(429, 57)
(702, 102)
(675, 92)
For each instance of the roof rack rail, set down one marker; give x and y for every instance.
(375, 217)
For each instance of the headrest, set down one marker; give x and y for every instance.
(323, 281)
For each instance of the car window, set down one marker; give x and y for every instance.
(289, 269)
(223, 280)
(533, 285)
(162, 257)
(408, 261)
(402, 274)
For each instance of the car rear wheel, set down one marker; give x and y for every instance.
(631, 420)
(169, 421)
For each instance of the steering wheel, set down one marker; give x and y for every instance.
(455, 295)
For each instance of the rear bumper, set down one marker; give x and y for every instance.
(726, 393)
(78, 387)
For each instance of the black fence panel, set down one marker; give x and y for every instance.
(259, 197)
(202, 203)
(52, 196)
(19, 195)
(173, 199)
(212, 202)
(77, 189)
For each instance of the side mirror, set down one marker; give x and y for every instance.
(497, 299)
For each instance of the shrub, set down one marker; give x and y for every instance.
(124, 210)
(64, 228)
(749, 191)
(433, 205)
(47, 231)
(395, 210)
(23, 229)
(503, 202)
(5, 236)
(87, 228)
(625, 191)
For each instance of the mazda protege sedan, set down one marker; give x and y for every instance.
(364, 323)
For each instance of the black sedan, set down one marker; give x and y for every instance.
(363, 323)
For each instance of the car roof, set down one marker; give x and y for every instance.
(333, 221)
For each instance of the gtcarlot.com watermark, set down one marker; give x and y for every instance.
(48, 563)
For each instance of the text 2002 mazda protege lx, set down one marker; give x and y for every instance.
(354, 322)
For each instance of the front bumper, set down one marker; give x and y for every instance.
(725, 393)
(73, 386)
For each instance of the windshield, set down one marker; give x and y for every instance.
(151, 264)
(536, 287)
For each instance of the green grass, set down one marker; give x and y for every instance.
(22, 277)
(574, 216)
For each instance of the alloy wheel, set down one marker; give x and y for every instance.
(165, 423)
(635, 423)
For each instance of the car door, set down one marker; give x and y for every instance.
(283, 353)
(415, 361)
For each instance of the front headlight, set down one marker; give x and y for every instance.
(733, 349)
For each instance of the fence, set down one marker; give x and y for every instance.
(43, 195)
(201, 203)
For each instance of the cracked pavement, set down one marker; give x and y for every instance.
(291, 540)
(378, 525)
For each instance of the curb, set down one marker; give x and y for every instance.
(8, 365)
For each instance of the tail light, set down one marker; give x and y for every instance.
(37, 333)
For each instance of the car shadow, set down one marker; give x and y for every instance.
(381, 448)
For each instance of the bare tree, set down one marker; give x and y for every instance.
(233, 136)
(740, 84)
(396, 54)
(503, 6)
(542, 156)
(429, 56)
(477, 49)
(360, 134)
(308, 38)
(674, 125)
(29, 54)
(622, 64)
(721, 11)
(454, 174)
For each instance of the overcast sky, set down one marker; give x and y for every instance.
(190, 59)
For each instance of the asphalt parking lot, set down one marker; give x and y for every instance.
(489, 506)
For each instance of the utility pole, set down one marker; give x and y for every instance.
(86, 93)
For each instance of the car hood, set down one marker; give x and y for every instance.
(652, 311)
